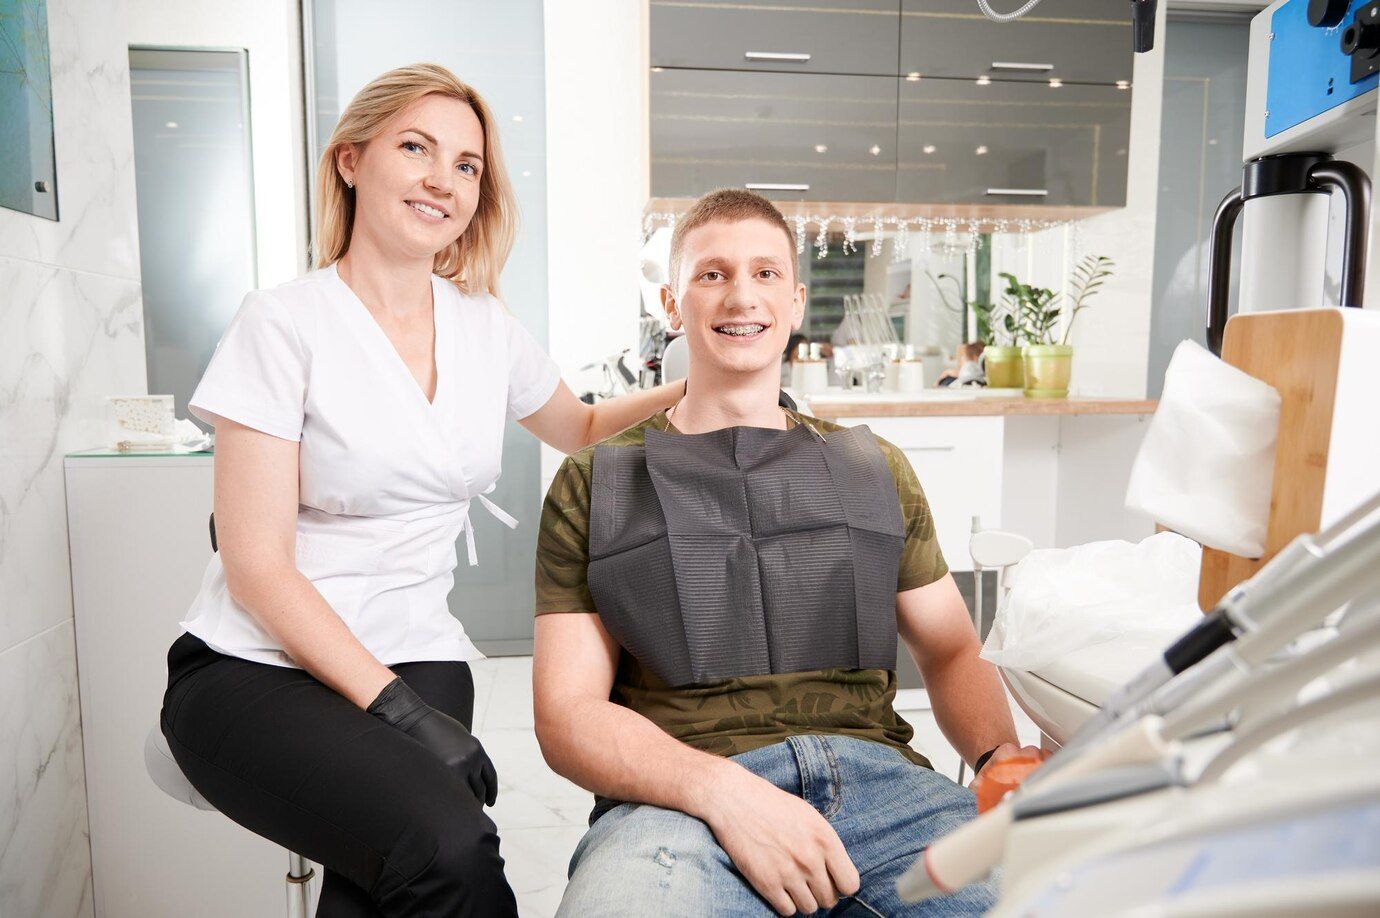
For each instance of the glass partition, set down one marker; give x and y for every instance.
(196, 206)
(499, 49)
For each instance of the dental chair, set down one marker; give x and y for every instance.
(168, 777)
(1058, 697)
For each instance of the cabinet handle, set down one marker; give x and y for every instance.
(1020, 192)
(1015, 65)
(775, 186)
(794, 57)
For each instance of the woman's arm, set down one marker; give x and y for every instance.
(570, 425)
(256, 528)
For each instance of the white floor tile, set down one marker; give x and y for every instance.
(537, 860)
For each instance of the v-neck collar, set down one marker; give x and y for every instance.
(438, 321)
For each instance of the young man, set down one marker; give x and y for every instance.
(719, 590)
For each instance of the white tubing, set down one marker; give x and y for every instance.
(969, 853)
(1271, 685)
(1357, 691)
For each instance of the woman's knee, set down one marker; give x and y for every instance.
(446, 864)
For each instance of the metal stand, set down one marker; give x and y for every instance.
(299, 877)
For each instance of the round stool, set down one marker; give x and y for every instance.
(166, 773)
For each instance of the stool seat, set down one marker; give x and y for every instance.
(167, 774)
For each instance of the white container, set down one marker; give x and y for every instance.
(814, 376)
(892, 383)
(139, 422)
(911, 376)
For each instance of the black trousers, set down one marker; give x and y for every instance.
(294, 761)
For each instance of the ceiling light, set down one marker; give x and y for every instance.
(821, 148)
(981, 150)
(170, 124)
(984, 80)
(875, 150)
(928, 148)
(526, 173)
(658, 69)
(517, 117)
(1055, 83)
(913, 77)
(1123, 84)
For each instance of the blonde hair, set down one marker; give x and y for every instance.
(475, 260)
(727, 205)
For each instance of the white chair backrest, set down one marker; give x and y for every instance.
(675, 360)
(994, 549)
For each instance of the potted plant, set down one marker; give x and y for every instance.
(1049, 359)
(998, 330)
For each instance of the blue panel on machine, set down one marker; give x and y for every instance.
(1309, 74)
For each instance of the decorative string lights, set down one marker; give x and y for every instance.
(945, 235)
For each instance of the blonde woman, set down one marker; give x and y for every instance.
(320, 694)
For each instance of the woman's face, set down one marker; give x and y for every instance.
(417, 182)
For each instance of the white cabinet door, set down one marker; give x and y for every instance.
(959, 463)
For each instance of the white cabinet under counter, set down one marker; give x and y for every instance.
(139, 538)
(1052, 470)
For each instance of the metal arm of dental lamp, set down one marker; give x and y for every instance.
(1142, 20)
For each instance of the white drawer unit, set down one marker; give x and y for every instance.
(959, 463)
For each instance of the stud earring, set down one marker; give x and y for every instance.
(349, 183)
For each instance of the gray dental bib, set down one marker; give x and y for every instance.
(747, 551)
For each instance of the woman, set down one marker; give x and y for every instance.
(321, 695)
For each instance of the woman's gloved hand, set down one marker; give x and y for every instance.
(399, 706)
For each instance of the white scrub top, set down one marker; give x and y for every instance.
(387, 479)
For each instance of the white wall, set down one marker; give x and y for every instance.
(597, 168)
(269, 30)
(1111, 338)
(71, 332)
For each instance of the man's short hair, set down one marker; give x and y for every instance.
(727, 205)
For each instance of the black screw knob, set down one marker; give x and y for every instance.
(1357, 37)
(1326, 13)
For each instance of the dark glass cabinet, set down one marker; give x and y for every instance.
(907, 101)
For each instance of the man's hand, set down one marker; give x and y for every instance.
(1008, 751)
(782, 845)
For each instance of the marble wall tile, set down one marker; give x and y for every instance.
(69, 340)
(98, 228)
(71, 332)
(45, 854)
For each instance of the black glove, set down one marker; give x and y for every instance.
(399, 706)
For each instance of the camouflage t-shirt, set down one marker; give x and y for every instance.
(731, 716)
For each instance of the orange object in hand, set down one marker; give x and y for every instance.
(1000, 778)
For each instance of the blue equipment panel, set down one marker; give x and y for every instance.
(1309, 74)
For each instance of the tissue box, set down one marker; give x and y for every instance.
(139, 422)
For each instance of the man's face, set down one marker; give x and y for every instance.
(738, 300)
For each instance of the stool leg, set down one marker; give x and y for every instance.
(299, 877)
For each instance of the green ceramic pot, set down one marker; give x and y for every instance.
(1047, 370)
(1005, 367)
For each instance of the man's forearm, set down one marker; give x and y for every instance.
(615, 752)
(969, 703)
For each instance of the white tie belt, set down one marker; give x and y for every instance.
(498, 513)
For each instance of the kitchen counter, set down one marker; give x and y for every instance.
(862, 405)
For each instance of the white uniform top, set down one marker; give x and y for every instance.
(386, 478)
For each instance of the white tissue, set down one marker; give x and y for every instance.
(1208, 461)
(1061, 600)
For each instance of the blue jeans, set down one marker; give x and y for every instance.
(644, 860)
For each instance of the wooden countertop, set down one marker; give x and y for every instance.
(862, 406)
